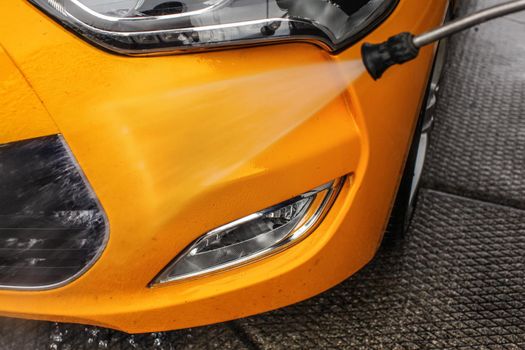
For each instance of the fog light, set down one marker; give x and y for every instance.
(254, 236)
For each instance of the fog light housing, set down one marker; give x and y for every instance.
(253, 237)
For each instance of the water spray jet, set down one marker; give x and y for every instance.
(405, 47)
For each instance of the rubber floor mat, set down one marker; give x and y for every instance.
(478, 142)
(456, 280)
(34, 335)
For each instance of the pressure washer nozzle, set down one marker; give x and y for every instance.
(396, 50)
(405, 47)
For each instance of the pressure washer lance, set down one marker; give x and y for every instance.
(405, 47)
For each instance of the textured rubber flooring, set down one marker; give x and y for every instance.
(455, 281)
(457, 278)
(32, 335)
(478, 147)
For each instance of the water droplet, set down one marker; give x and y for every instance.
(95, 331)
(56, 337)
(132, 342)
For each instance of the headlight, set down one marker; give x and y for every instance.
(146, 26)
(253, 237)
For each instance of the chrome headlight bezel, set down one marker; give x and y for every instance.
(154, 35)
(325, 196)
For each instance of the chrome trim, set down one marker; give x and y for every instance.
(164, 18)
(89, 33)
(295, 236)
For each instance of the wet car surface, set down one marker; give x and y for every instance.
(455, 280)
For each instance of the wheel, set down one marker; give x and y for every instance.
(405, 202)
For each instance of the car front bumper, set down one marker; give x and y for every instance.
(162, 143)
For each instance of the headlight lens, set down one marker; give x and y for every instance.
(145, 26)
(254, 236)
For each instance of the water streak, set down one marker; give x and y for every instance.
(214, 129)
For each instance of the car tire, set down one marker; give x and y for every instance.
(406, 198)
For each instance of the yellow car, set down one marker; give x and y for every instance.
(162, 166)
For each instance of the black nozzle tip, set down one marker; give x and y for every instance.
(396, 50)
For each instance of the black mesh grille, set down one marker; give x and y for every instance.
(51, 226)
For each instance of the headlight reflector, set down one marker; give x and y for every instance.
(253, 237)
(145, 26)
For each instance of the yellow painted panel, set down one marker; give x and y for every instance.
(175, 146)
(22, 116)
